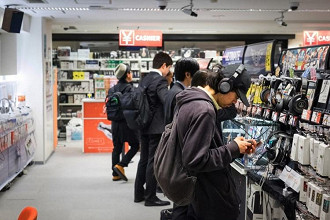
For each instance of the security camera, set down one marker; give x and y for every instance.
(162, 4)
(294, 6)
(189, 12)
(282, 23)
(65, 28)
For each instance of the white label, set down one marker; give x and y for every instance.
(324, 92)
(291, 178)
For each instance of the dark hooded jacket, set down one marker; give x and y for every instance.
(204, 155)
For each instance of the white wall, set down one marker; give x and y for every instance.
(8, 54)
(297, 42)
(30, 79)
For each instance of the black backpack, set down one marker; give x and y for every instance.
(113, 104)
(136, 108)
(173, 178)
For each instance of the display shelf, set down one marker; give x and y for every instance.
(65, 118)
(76, 69)
(77, 92)
(75, 80)
(69, 104)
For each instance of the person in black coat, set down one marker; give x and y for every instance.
(184, 70)
(157, 89)
(121, 132)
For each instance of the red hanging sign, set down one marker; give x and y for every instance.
(316, 38)
(140, 38)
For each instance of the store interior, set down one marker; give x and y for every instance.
(57, 63)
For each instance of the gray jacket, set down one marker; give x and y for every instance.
(205, 155)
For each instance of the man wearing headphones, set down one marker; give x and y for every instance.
(203, 153)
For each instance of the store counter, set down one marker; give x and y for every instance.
(97, 134)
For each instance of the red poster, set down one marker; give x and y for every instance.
(140, 38)
(316, 38)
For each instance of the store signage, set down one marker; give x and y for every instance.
(140, 38)
(316, 37)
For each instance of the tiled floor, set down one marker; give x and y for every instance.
(73, 185)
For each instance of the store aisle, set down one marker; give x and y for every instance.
(73, 185)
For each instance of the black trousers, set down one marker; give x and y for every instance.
(122, 134)
(145, 171)
(183, 213)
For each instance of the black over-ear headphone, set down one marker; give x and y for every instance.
(299, 102)
(226, 84)
(284, 102)
(265, 93)
(277, 151)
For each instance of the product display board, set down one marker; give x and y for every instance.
(233, 55)
(300, 59)
(258, 58)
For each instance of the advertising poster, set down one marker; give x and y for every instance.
(304, 58)
(233, 56)
(257, 58)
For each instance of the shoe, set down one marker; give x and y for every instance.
(138, 199)
(116, 178)
(120, 171)
(156, 202)
(159, 190)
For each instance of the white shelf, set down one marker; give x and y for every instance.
(80, 70)
(69, 104)
(65, 118)
(77, 92)
(75, 80)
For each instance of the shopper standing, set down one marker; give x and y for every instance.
(203, 151)
(184, 70)
(121, 132)
(157, 89)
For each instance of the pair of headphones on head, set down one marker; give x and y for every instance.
(226, 84)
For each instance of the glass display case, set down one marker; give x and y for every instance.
(250, 128)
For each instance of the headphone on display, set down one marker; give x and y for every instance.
(226, 84)
(265, 92)
(283, 103)
(299, 102)
(275, 95)
(278, 149)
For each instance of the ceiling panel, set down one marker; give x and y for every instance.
(232, 16)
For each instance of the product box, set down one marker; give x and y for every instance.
(83, 53)
(64, 51)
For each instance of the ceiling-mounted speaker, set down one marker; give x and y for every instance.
(12, 20)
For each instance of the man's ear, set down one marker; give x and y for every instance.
(188, 75)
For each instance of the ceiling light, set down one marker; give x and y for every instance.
(188, 9)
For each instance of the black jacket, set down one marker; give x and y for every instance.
(120, 131)
(204, 154)
(170, 101)
(157, 91)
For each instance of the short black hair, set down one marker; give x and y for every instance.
(161, 58)
(200, 78)
(214, 79)
(184, 65)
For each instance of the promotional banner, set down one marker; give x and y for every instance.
(257, 58)
(304, 58)
(316, 38)
(140, 38)
(233, 56)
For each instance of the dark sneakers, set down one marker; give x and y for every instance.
(120, 171)
(156, 202)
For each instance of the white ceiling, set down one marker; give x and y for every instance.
(233, 17)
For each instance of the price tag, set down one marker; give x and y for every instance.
(291, 178)
(282, 118)
(316, 117)
(306, 114)
(275, 116)
(326, 120)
